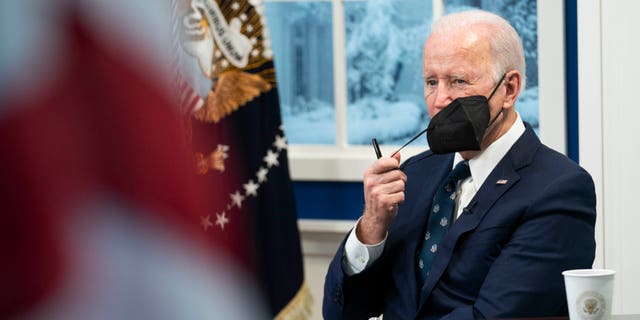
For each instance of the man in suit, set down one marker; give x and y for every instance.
(523, 215)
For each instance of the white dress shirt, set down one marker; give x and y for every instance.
(359, 256)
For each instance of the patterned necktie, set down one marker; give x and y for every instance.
(440, 217)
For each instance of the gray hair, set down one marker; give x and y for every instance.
(505, 43)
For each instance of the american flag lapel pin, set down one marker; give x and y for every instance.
(502, 181)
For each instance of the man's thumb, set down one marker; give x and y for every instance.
(397, 157)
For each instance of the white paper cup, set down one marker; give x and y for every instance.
(589, 293)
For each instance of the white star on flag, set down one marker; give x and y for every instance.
(434, 248)
(235, 6)
(237, 199)
(262, 175)
(221, 219)
(271, 159)
(205, 222)
(223, 149)
(444, 222)
(250, 188)
(280, 143)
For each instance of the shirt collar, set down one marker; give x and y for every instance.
(482, 164)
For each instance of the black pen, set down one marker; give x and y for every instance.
(376, 147)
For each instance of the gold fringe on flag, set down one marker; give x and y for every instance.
(299, 307)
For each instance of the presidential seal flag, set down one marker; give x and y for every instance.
(227, 85)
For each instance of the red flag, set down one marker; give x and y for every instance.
(102, 214)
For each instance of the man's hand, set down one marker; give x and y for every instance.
(383, 191)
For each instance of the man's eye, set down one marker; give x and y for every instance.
(459, 81)
(431, 83)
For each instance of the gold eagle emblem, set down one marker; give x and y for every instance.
(227, 41)
(232, 90)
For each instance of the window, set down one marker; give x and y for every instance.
(301, 36)
(383, 42)
(350, 70)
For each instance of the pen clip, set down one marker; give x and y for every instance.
(376, 147)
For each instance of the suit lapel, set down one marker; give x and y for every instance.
(502, 178)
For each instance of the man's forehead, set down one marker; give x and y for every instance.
(459, 53)
(476, 40)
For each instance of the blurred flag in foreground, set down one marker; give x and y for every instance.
(229, 92)
(102, 212)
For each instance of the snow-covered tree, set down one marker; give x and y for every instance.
(373, 50)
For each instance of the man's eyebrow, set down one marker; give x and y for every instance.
(458, 75)
(448, 77)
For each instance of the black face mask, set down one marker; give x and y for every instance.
(460, 126)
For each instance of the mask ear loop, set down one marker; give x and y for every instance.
(497, 86)
(491, 95)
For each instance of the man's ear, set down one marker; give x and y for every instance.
(513, 83)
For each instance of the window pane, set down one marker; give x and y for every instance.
(384, 66)
(522, 14)
(301, 36)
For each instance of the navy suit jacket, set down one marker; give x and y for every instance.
(502, 257)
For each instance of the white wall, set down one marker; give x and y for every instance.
(609, 67)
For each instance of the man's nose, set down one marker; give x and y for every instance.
(442, 97)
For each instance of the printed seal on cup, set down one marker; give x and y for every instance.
(591, 305)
